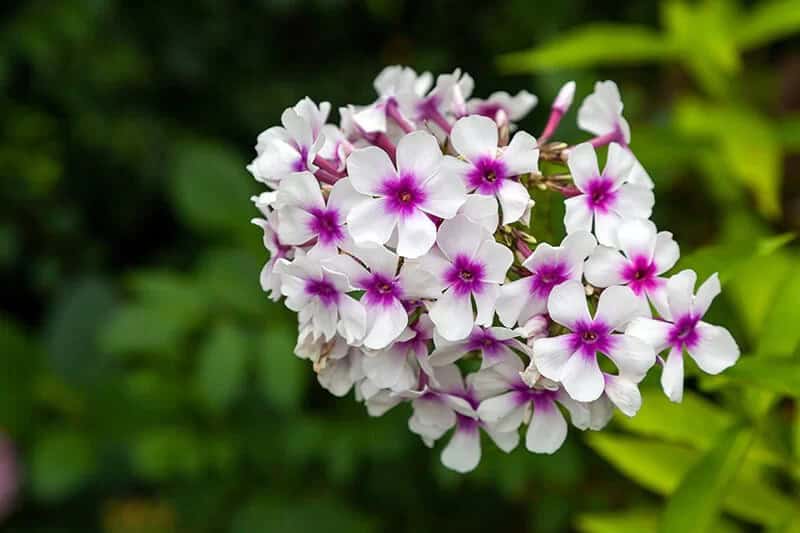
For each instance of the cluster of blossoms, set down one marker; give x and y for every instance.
(403, 240)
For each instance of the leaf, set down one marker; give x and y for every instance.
(747, 145)
(282, 376)
(168, 452)
(211, 190)
(779, 374)
(72, 327)
(784, 308)
(220, 374)
(597, 44)
(660, 466)
(629, 521)
(768, 21)
(695, 504)
(19, 363)
(61, 463)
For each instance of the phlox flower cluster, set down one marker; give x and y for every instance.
(405, 239)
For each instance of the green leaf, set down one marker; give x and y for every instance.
(19, 364)
(779, 374)
(597, 44)
(168, 452)
(61, 463)
(695, 504)
(629, 521)
(72, 328)
(211, 189)
(784, 308)
(768, 21)
(221, 371)
(282, 376)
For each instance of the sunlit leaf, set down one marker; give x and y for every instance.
(768, 21)
(695, 504)
(779, 374)
(784, 308)
(598, 44)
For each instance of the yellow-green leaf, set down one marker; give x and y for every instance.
(767, 22)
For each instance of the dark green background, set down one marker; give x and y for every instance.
(148, 385)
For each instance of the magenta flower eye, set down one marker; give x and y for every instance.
(407, 241)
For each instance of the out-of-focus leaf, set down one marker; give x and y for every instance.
(788, 131)
(768, 21)
(19, 363)
(72, 328)
(229, 278)
(747, 145)
(168, 452)
(779, 374)
(210, 188)
(61, 462)
(282, 376)
(220, 373)
(597, 44)
(631, 521)
(784, 308)
(660, 466)
(264, 514)
(695, 504)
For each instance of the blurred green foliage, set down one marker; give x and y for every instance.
(147, 383)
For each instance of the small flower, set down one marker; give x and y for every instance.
(645, 256)
(269, 278)
(494, 344)
(397, 367)
(512, 401)
(607, 198)
(291, 148)
(320, 295)
(571, 359)
(712, 347)
(482, 210)
(549, 266)
(402, 197)
(601, 113)
(490, 171)
(515, 107)
(306, 217)
(469, 265)
(448, 97)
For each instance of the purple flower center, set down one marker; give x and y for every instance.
(403, 194)
(590, 338)
(428, 107)
(640, 273)
(380, 290)
(301, 164)
(541, 398)
(325, 223)
(465, 275)
(489, 109)
(487, 175)
(600, 195)
(684, 332)
(546, 276)
(324, 290)
(483, 340)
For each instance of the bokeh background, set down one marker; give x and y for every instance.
(146, 383)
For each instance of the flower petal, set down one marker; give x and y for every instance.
(482, 210)
(634, 201)
(624, 394)
(512, 298)
(672, 375)
(582, 378)
(368, 168)
(445, 194)
(653, 332)
(575, 248)
(582, 162)
(504, 412)
(604, 267)
(577, 215)
(371, 221)
(666, 253)
(353, 319)
(617, 307)
(514, 199)
(547, 429)
(343, 197)
(680, 291)
(606, 227)
(709, 290)
(300, 189)
(295, 226)
(496, 260)
(716, 349)
(567, 304)
(474, 137)
(386, 324)
(637, 237)
(633, 356)
(416, 234)
(419, 153)
(521, 155)
(619, 163)
(452, 315)
(463, 452)
(485, 304)
(460, 236)
(551, 354)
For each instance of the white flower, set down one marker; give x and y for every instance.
(402, 197)
(564, 98)
(269, 278)
(469, 265)
(571, 359)
(606, 198)
(320, 296)
(293, 147)
(397, 79)
(515, 107)
(482, 210)
(448, 97)
(397, 367)
(549, 266)
(490, 171)
(712, 347)
(494, 344)
(305, 216)
(511, 401)
(645, 255)
(601, 113)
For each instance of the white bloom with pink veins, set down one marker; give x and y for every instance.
(494, 344)
(601, 113)
(293, 147)
(645, 255)
(515, 107)
(549, 266)
(490, 171)
(320, 295)
(269, 278)
(511, 401)
(387, 287)
(712, 347)
(469, 266)
(571, 359)
(607, 198)
(404, 197)
(397, 366)
(306, 217)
